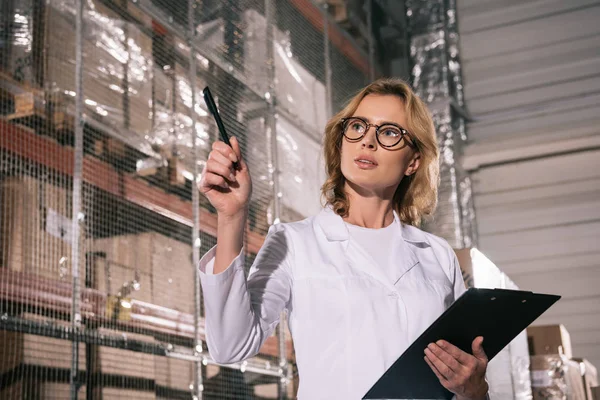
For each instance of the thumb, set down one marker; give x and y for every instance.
(477, 347)
(235, 145)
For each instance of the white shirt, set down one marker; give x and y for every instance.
(377, 243)
(348, 320)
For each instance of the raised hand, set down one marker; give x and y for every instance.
(228, 189)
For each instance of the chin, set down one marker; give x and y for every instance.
(367, 183)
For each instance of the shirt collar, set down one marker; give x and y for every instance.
(336, 230)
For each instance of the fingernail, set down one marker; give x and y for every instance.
(440, 343)
(233, 157)
(225, 185)
(232, 177)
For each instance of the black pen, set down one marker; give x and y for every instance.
(212, 107)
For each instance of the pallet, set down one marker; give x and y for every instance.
(22, 104)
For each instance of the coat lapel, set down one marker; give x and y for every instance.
(404, 253)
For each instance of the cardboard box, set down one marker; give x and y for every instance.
(173, 373)
(27, 349)
(121, 362)
(477, 270)
(120, 280)
(556, 377)
(117, 67)
(297, 90)
(30, 388)
(35, 227)
(549, 339)
(166, 260)
(106, 393)
(508, 373)
(589, 374)
(24, 103)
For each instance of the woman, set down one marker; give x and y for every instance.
(359, 281)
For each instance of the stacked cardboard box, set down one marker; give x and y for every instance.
(30, 389)
(109, 363)
(35, 227)
(589, 373)
(549, 339)
(552, 356)
(556, 377)
(300, 164)
(117, 63)
(164, 263)
(508, 372)
(19, 351)
(297, 90)
(172, 373)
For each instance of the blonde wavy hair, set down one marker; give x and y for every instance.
(416, 195)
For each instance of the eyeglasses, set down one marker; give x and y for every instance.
(388, 135)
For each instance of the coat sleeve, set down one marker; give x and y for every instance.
(459, 283)
(241, 314)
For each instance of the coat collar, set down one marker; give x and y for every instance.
(336, 230)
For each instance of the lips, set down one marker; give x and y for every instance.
(365, 162)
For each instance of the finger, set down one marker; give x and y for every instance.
(235, 145)
(227, 151)
(221, 158)
(477, 348)
(218, 168)
(437, 373)
(211, 180)
(441, 366)
(446, 358)
(461, 356)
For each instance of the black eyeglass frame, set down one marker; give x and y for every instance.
(403, 132)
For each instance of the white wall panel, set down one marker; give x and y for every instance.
(531, 71)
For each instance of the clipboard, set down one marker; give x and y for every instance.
(499, 315)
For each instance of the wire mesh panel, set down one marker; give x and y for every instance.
(101, 225)
(349, 68)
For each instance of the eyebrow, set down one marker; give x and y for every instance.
(383, 123)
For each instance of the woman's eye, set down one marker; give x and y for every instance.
(390, 132)
(358, 127)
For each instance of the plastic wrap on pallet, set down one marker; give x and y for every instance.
(296, 89)
(519, 357)
(556, 377)
(425, 15)
(430, 70)
(437, 80)
(454, 216)
(171, 134)
(117, 66)
(16, 40)
(453, 53)
(300, 165)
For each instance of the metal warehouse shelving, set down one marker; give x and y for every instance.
(94, 162)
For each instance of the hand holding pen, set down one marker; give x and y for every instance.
(226, 179)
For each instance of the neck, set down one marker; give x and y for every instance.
(369, 209)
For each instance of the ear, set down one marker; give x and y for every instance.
(414, 164)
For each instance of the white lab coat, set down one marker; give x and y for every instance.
(348, 320)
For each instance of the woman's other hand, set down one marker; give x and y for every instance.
(461, 373)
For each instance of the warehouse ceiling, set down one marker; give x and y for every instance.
(532, 84)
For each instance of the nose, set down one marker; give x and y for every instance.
(369, 140)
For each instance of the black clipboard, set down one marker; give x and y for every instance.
(498, 315)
